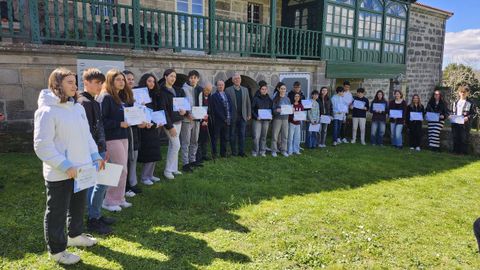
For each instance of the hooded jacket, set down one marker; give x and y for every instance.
(61, 136)
(260, 102)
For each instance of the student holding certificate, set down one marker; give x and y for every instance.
(63, 142)
(340, 110)
(150, 143)
(359, 115)
(396, 124)
(174, 121)
(313, 117)
(116, 134)
(325, 113)
(262, 115)
(280, 122)
(414, 122)
(436, 108)
(463, 112)
(294, 127)
(379, 111)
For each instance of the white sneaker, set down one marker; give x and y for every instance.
(335, 143)
(301, 149)
(353, 141)
(126, 204)
(418, 148)
(65, 257)
(411, 148)
(363, 143)
(147, 182)
(285, 154)
(254, 154)
(154, 179)
(177, 173)
(83, 240)
(339, 141)
(345, 140)
(130, 194)
(297, 153)
(169, 176)
(112, 208)
(263, 155)
(274, 154)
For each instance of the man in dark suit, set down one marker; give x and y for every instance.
(221, 113)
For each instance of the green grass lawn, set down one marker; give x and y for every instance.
(350, 207)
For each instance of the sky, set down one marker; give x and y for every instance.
(462, 41)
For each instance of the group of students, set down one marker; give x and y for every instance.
(77, 128)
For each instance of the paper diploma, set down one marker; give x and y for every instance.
(307, 103)
(148, 114)
(300, 116)
(86, 178)
(378, 107)
(286, 109)
(264, 114)
(396, 113)
(110, 176)
(181, 104)
(325, 119)
(457, 119)
(159, 118)
(358, 104)
(314, 128)
(141, 95)
(433, 117)
(134, 115)
(416, 116)
(199, 112)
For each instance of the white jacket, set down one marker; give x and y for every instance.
(62, 136)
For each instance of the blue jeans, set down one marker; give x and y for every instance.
(312, 139)
(95, 196)
(378, 131)
(293, 138)
(396, 134)
(337, 128)
(237, 136)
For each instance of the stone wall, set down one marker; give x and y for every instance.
(373, 85)
(426, 36)
(24, 71)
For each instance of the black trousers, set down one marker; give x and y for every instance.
(461, 138)
(63, 204)
(203, 138)
(415, 133)
(222, 133)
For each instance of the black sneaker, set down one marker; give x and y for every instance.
(197, 164)
(206, 158)
(136, 189)
(107, 220)
(187, 168)
(97, 226)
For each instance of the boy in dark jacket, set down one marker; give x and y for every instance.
(93, 80)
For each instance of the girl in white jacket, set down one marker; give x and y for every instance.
(62, 140)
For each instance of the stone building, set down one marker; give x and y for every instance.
(376, 44)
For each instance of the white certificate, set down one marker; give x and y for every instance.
(457, 119)
(358, 104)
(159, 118)
(134, 115)
(86, 178)
(416, 116)
(111, 175)
(378, 107)
(433, 117)
(286, 109)
(148, 114)
(396, 114)
(307, 103)
(300, 116)
(314, 128)
(181, 103)
(325, 119)
(199, 112)
(141, 95)
(264, 114)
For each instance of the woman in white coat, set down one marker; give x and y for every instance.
(62, 140)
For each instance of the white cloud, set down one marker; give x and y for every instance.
(463, 48)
